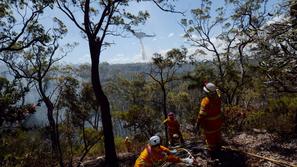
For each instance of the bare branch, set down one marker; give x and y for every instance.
(167, 10)
(70, 15)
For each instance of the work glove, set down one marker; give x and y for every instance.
(175, 136)
(187, 160)
(173, 151)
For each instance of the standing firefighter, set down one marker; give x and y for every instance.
(173, 129)
(210, 117)
(155, 154)
(127, 143)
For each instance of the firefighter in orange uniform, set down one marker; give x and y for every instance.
(173, 128)
(155, 154)
(210, 117)
(127, 143)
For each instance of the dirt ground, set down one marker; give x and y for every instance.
(282, 150)
(256, 149)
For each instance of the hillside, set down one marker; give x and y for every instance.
(224, 67)
(111, 71)
(255, 149)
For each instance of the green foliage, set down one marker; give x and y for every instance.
(234, 118)
(90, 136)
(183, 105)
(137, 99)
(19, 24)
(119, 142)
(132, 90)
(97, 149)
(140, 120)
(278, 116)
(163, 71)
(201, 74)
(136, 144)
(23, 148)
(11, 111)
(168, 63)
(282, 105)
(79, 102)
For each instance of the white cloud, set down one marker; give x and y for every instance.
(170, 35)
(163, 51)
(77, 59)
(123, 59)
(199, 57)
(280, 18)
(194, 37)
(86, 58)
(219, 44)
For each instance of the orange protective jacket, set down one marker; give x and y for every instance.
(150, 157)
(127, 143)
(210, 115)
(173, 125)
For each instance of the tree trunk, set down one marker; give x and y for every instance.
(53, 131)
(296, 121)
(109, 145)
(165, 113)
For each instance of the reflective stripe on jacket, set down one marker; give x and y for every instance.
(210, 116)
(172, 124)
(150, 157)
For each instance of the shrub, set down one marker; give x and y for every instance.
(278, 116)
(23, 148)
(234, 117)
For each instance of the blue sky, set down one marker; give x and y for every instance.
(128, 50)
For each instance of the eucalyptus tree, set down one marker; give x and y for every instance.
(97, 20)
(13, 110)
(163, 70)
(35, 65)
(229, 36)
(276, 50)
(135, 100)
(81, 112)
(268, 36)
(183, 103)
(19, 24)
(28, 49)
(252, 18)
(271, 34)
(124, 91)
(202, 32)
(264, 36)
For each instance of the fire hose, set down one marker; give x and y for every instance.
(179, 150)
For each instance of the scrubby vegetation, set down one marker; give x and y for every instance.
(89, 109)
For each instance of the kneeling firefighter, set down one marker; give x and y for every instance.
(155, 154)
(173, 129)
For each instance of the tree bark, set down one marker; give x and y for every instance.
(165, 112)
(54, 131)
(52, 125)
(296, 122)
(109, 145)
